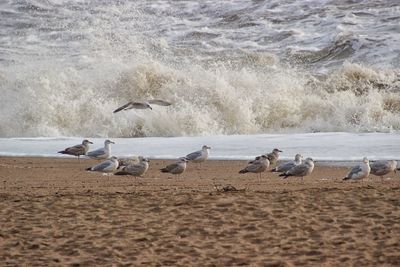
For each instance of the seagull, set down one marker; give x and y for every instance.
(199, 156)
(257, 166)
(77, 150)
(288, 165)
(176, 168)
(135, 169)
(300, 170)
(108, 166)
(128, 161)
(360, 171)
(101, 153)
(272, 157)
(142, 105)
(381, 168)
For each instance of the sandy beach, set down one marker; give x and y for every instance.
(53, 213)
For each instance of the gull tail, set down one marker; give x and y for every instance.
(164, 170)
(243, 171)
(346, 178)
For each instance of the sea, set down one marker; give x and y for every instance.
(319, 78)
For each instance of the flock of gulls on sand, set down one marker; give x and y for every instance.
(137, 167)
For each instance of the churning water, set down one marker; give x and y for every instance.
(229, 67)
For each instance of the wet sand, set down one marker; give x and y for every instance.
(53, 213)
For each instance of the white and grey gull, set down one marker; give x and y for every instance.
(283, 167)
(300, 170)
(101, 153)
(359, 172)
(108, 166)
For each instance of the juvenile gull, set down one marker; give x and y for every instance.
(288, 165)
(142, 105)
(135, 169)
(108, 166)
(176, 168)
(381, 168)
(300, 170)
(77, 150)
(101, 153)
(257, 166)
(272, 157)
(199, 156)
(360, 171)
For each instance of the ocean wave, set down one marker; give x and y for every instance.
(241, 67)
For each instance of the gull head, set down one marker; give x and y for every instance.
(298, 157)
(365, 160)
(205, 147)
(276, 151)
(145, 159)
(147, 105)
(113, 158)
(309, 160)
(393, 164)
(86, 142)
(107, 142)
(183, 159)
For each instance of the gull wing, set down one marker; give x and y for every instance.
(159, 102)
(130, 105)
(194, 155)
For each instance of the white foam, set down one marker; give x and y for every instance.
(320, 146)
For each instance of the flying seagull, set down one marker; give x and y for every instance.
(142, 105)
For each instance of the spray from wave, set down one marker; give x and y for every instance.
(232, 91)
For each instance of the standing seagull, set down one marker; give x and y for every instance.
(77, 150)
(142, 105)
(257, 166)
(108, 166)
(176, 168)
(288, 165)
(272, 157)
(135, 169)
(359, 172)
(381, 168)
(101, 153)
(300, 170)
(199, 156)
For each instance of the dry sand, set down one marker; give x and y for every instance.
(53, 213)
